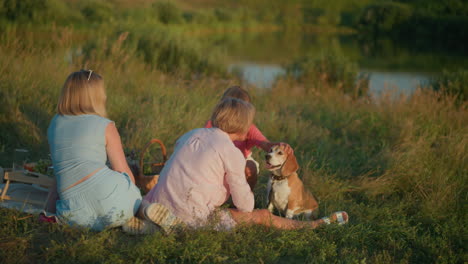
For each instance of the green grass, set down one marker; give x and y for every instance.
(398, 167)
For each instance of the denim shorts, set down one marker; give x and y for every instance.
(107, 199)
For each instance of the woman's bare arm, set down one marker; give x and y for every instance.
(115, 152)
(52, 198)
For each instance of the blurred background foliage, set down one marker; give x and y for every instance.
(407, 20)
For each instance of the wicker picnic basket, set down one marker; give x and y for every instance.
(146, 181)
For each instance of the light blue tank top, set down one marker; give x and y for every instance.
(77, 146)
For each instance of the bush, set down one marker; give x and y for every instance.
(384, 17)
(22, 11)
(329, 18)
(436, 7)
(97, 12)
(188, 16)
(175, 54)
(438, 28)
(223, 15)
(312, 15)
(332, 69)
(203, 17)
(168, 13)
(39, 11)
(443, 23)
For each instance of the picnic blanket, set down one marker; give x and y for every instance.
(28, 191)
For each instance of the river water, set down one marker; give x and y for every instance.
(260, 57)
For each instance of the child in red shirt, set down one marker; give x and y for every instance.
(254, 138)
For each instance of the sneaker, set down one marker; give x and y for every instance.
(163, 217)
(340, 217)
(137, 226)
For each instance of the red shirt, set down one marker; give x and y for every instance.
(254, 138)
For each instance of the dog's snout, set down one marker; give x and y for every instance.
(267, 156)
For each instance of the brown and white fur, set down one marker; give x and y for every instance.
(286, 191)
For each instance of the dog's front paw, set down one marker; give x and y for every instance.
(271, 207)
(289, 214)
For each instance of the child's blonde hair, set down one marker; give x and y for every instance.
(83, 93)
(233, 115)
(237, 92)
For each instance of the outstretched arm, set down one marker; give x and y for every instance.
(241, 193)
(255, 137)
(115, 152)
(52, 198)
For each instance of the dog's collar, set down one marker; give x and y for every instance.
(278, 178)
(282, 177)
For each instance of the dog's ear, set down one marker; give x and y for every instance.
(290, 165)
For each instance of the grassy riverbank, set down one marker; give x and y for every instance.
(397, 166)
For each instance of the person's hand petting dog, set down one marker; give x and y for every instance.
(287, 148)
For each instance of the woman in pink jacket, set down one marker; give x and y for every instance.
(253, 138)
(206, 169)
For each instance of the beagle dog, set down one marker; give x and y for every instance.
(286, 191)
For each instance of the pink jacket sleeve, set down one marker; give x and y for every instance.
(242, 196)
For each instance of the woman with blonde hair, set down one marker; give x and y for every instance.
(82, 139)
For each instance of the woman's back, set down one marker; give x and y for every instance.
(77, 145)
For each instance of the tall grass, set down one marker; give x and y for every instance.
(454, 83)
(398, 167)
